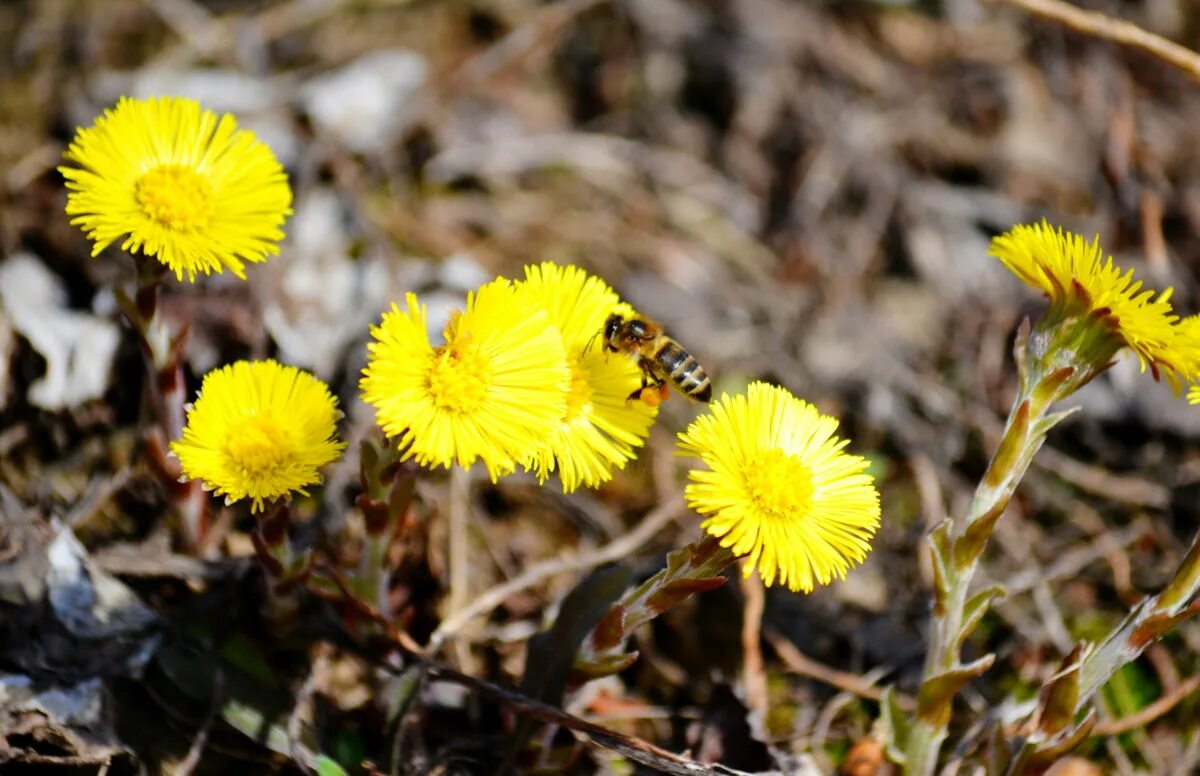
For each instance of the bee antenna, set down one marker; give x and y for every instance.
(588, 346)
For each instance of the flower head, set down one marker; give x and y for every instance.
(493, 392)
(259, 430)
(178, 183)
(1189, 332)
(1081, 283)
(600, 428)
(778, 488)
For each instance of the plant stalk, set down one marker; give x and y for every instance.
(285, 570)
(698, 567)
(1053, 361)
(163, 354)
(949, 626)
(387, 494)
(1146, 622)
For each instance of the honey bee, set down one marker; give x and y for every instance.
(660, 358)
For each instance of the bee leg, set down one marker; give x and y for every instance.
(648, 379)
(654, 389)
(654, 395)
(638, 393)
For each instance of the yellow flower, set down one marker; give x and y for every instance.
(779, 490)
(1080, 282)
(259, 430)
(494, 391)
(178, 183)
(1189, 332)
(599, 429)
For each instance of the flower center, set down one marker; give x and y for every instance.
(459, 378)
(580, 393)
(176, 197)
(780, 485)
(258, 445)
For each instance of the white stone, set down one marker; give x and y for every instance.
(78, 347)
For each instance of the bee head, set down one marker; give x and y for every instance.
(612, 327)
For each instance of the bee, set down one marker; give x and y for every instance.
(660, 358)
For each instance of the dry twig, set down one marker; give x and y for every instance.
(797, 661)
(188, 765)
(1148, 713)
(1117, 30)
(633, 748)
(458, 512)
(619, 548)
(753, 674)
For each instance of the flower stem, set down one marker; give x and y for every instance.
(284, 569)
(957, 544)
(693, 569)
(388, 487)
(163, 354)
(1146, 622)
(458, 551)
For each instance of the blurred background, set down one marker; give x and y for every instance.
(802, 192)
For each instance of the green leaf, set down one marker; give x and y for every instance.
(1131, 688)
(253, 723)
(939, 550)
(1052, 750)
(938, 691)
(975, 538)
(975, 608)
(405, 689)
(551, 653)
(671, 593)
(1060, 695)
(583, 670)
(896, 727)
(246, 654)
(1049, 421)
(328, 767)
(1012, 444)
(1048, 388)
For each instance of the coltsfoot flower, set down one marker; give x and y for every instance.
(494, 392)
(1189, 331)
(259, 430)
(180, 184)
(599, 429)
(1081, 283)
(779, 491)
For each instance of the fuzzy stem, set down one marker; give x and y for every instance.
(1147, 622)
(373, 577)
(458, 551)
(947, 633)
(1063, 353)
(285, 570)
(168, 394)
(387, 493)
(692, 569)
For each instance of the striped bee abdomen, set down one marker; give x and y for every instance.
(684, 371)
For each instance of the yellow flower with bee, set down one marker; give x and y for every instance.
(600, 428)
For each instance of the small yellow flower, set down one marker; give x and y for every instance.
(779, 490)
(1080, 281)
(493, 392)
(1189, 333)
(259, 430)
(599, 429)
(178, 183)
